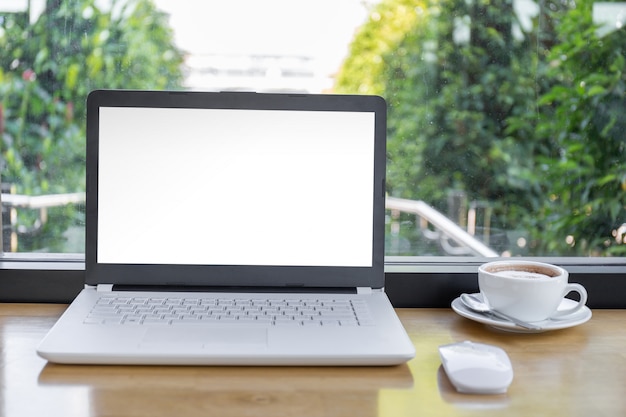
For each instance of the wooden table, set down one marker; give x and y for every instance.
(579, 371)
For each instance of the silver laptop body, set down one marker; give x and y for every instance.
(233, 229)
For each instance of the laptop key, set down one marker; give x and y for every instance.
(292, 323)
(93, 320)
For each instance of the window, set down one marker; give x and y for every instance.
(505, 118)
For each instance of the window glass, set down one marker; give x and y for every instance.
(505, 118)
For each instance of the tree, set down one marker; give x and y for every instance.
(46, 70)
(582, 117)
(451, 82)
(478, 103)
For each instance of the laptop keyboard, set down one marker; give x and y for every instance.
(251, 311)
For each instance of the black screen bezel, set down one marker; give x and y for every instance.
(234, 275)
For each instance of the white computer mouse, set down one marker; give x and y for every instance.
(477, 368)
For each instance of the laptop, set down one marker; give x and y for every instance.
(233, 228)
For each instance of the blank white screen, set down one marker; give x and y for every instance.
(235, 187)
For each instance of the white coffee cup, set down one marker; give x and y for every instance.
(527, 290)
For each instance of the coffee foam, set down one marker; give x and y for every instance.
(522, 271)
(521, 274)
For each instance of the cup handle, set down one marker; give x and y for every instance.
(581, 303)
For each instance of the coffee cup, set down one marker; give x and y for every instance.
(527, 290)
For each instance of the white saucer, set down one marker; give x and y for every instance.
(581, 316)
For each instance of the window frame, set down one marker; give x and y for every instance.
(409, 281)
(436, 281)
(414, 282)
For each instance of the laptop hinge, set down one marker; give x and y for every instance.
(363, 290)
(104, 287)
(207, 289)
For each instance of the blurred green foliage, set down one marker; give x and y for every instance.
(527, 118)
(47, 68)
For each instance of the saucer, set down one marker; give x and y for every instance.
(581, 316)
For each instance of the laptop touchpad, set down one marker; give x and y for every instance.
(205, 336)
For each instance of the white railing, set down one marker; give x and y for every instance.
(40, 202)
(446, 229)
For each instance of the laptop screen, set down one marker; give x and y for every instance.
(234, 188)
